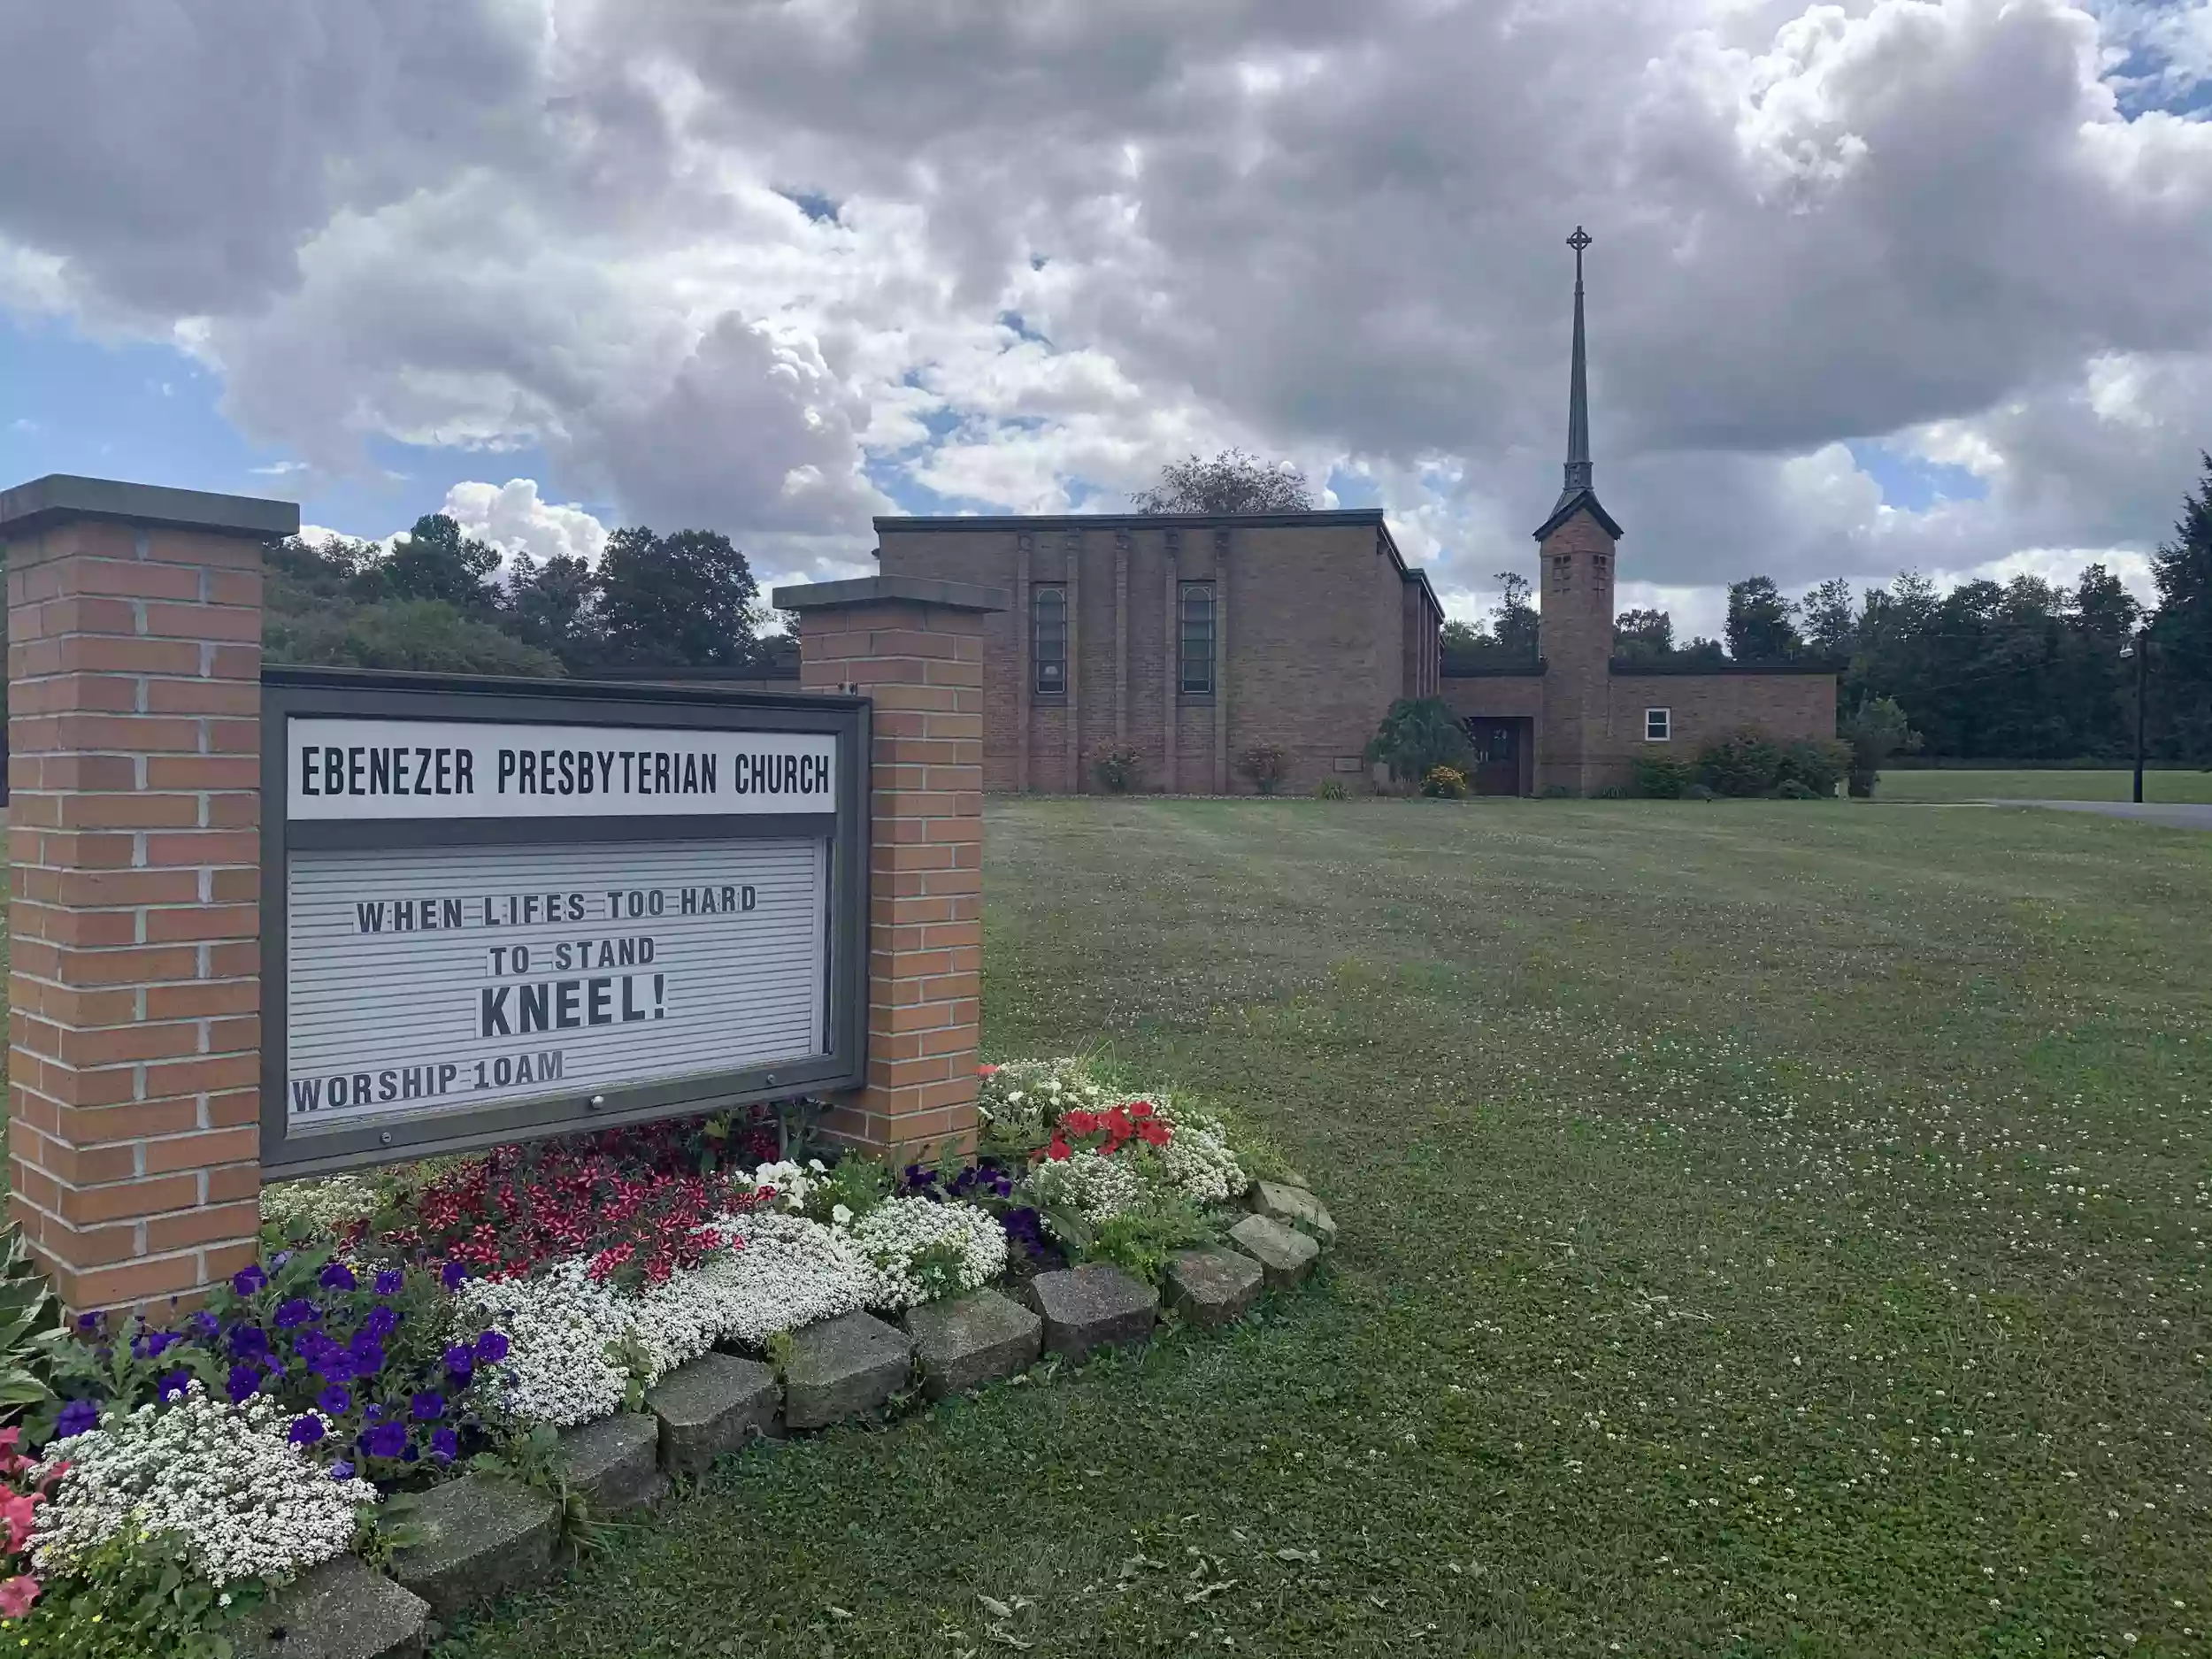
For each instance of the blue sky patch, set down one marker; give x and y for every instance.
(1912, 484)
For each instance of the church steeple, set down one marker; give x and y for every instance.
(1578, 490)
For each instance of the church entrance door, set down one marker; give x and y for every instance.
(1497, 755)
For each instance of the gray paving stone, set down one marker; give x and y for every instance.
(841, 1368)
(1296, 1207)
(342, 1609)
(479, 1539)
(713, 1404)
(965, 1341)
(1284, 1254)
(1212, 1287)
(615, 1462)
(1094, 1306)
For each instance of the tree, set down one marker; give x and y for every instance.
(1643, 636)
(1760, 628)
(553, 606)
(1462, 638)
(1419, 734)
(686, 600)
(1514, 622)
(435, 560)
(2181, 658)
(428, 635)
(1875, 730)
(1233, 481)
(1831, 624)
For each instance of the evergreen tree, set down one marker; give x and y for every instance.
(2181, 656)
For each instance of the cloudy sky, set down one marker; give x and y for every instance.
(1875, 286)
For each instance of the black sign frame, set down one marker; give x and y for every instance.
(362, 694)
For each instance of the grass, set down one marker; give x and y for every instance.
(1768, 1229)
(2193, 788)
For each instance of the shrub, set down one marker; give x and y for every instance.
(1746, 762)
(1118, 771)
(1662, 777)
(1557, 792)
(1266, 764)
(1617, 792)
(1792, 790)
(1331, 789)
(1817, 764)
(1876, 730)
(1444, 783)
(1698, 792)
(1418, 735)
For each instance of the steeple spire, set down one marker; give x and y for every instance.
(1577, 388)
(1578, 492)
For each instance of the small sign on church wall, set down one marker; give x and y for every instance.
(494, 910)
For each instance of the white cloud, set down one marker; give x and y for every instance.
(1324, 232)
(512, 518)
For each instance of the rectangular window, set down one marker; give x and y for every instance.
(1048, 641)
(1195, 602)
(1658, 725)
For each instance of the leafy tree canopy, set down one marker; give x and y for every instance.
(1233, 481)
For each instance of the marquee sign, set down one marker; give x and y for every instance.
(495, 909)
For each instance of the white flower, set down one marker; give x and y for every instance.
(841, 1217)
(317, 1206)
(788, 1182)
(783, 1272)
(1198, 1162)
(1023, 1099)
(249, 1503)
(559, 1325)
(1089, 1184)
(968, 1243)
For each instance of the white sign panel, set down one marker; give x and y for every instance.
(431, 769)
(436, 979)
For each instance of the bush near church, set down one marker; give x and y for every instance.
(1417, 735)
(1266, 764)
(1749, 764)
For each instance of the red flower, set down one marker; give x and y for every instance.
(1153, 1134)
(1142, 1109)
(985, 1071)
(1058, 1151)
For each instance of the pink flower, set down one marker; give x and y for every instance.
(985, 1071)
(17, 1595)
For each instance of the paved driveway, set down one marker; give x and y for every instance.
(2173, 814)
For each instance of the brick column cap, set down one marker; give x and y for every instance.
(870, 590)
(64, 498)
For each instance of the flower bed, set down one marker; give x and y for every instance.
(404, 1327)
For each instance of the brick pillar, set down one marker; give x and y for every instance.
(135, 989)
(915, 647)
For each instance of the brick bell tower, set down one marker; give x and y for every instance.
(1575, 552)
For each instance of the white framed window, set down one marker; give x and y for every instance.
(1658, 725)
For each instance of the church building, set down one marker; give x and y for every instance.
(1175, 646)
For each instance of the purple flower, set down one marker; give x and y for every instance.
(382, 1322)
(75, 1418)
(243, 1380)
(451, 1275)
(491, 1347)
(376, 1414)
(1022, 1227)
(280, 1259)
(305, 1431)
(295, 1313)
(174, 1385)
(428, 1406)
(205, 1326)
(342, 1470)
(460, 1361)
(384, 1440)
(389, 1281)
(250, 1341)
(90, 1322)
(445, 1445)
(338, 1276)
(334, 1401)
(249, 1280)
(367, 1355)
(153, 1344)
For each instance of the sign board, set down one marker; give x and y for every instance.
(505, 908)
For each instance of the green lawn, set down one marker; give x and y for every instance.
(1768, 1228)
(2185, 787)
